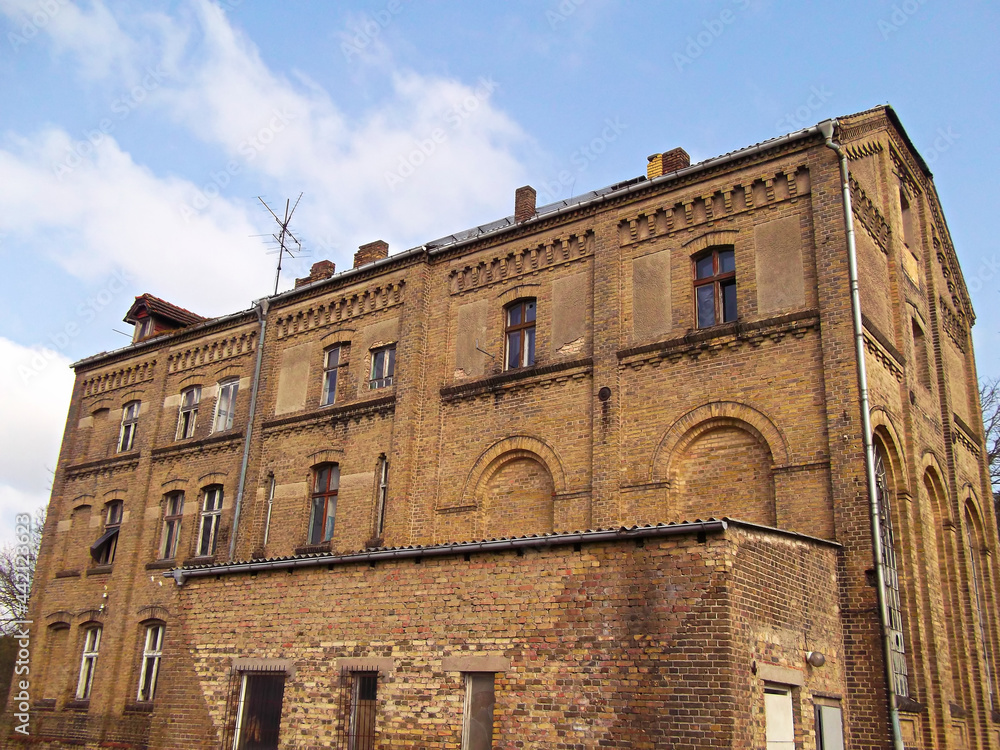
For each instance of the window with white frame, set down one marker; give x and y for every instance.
(103, 550)
(383, 367)
(88, 664)
(778, 717)
(477, 725)
(130, 420)
(151, 652)
(225, 405)
(188, 414)
(173, 514)
(211, 514)
(331, 365)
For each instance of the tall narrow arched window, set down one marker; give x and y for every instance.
(323, 513)
(211, 515)
(890, 570)
(978, 580)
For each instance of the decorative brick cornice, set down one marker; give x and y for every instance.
(765, 190)
(514, 380)
(355, 411)
(856, 151)
(211, 352)
(114, 465)
(719, 338)
(965, 436)
(339, 310)
(124, 377)
(521, 262)
(953, 324)
(870, 217)
(882, 355)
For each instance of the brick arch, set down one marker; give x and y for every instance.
(153, 612)
(711, 416)
(885, 432)
(711, 239)
(492, 459)
(521, 291)
(328, 456)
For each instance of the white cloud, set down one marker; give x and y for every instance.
(37, 385)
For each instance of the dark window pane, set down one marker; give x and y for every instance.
(529, 347)
(479, 705)
(728, 302)
(704, 268)
(331, 516)
(261, 716)
(706, 305)
(318, 513)
(514, 315)
(529, 311)
(513, 349)
(727, 261)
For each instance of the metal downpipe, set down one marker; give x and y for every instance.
(826, 128)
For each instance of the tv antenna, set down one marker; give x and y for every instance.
(283, 235)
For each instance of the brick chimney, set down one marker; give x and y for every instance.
(372, 251)
(324, 269)
(671, 161)
(524, 203)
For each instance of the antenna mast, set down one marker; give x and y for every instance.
(283, 235)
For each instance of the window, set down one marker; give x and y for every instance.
(258, 711)
(103, 550)
(91, 644)
(978, 596)
(829, 726)
(188, 414)
(922, 361)
(211, 514)
(332, 362)
(130, 418)
(477, 726)
(225, 405)
(778, 717)
(326, 480)
(383, 367)
(361, 729)
(715, 287)
(382, 494)
(151, 653)
(519, 335)
(143, 327)
(173, 512)
(891, 573)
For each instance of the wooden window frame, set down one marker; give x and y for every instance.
(172, 520)
(130, 422)
(525, 354)
(718, 282)
(327, 495)
(331, 365)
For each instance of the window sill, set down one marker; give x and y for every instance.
(202, 560)
(162, 564)
(910, 706)
(77, 705)
(138, 707)
(492, 382)
(310, 549)
(99, 570)
(68, 574)
(187, 444)
(45, 704)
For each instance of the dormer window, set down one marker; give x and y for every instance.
(152, 316)
(143, 327)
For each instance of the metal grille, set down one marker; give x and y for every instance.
(253, 711)
(358, 705)
(891, 573)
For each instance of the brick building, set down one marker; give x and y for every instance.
(593, 475)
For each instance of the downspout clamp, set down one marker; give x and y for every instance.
(260, 307)
(827, 128)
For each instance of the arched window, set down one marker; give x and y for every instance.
(323, 513)
(715, 286)
(211, 515)
(978, 579)
(152, 650)
(519, 334)
(103, 550)
(891, 573)
(225, 405)
(88, 663)
(187, 416)
(173, 514)
(130, 420)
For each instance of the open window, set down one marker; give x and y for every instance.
(383, 367)
(88, 662)
(103, 550)
(225, 405)
(152, 651)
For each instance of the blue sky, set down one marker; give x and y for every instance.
(136, 137)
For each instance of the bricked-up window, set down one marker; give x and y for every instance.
(519, 334)
(715, 286)
(382, 494)
(891, 573)
(258, 711)
(130, 420)
(909, 230)
(383, 367)
(829, 726)
(477, 727)
(88, 664)
(920, 355)
(978, 568)
(103, 550)
(225, 405)
(188, 414)
(361, 689)
(779, 721)
(330, 366)
(323, 511)
(152, 650)
(173, 514)
(211, 515)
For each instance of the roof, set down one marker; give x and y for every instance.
(163, 309)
